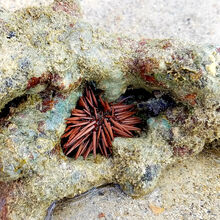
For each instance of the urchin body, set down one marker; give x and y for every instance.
(94, 124)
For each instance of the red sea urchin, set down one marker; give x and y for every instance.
(94, 123)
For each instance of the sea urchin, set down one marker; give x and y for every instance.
(94, 123)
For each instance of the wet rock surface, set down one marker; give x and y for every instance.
(48, 53)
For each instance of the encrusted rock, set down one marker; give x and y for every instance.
(46, 56)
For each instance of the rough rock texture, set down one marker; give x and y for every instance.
(46, 56)
(193, 194)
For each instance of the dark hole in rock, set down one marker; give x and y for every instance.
(96, 115)
(135, 95)
(98, 123)
(10, 108)
(215, 144)
(148, 104)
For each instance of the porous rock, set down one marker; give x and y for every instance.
(46, 56)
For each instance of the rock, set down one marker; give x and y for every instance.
(47, 54)
(138, 164)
